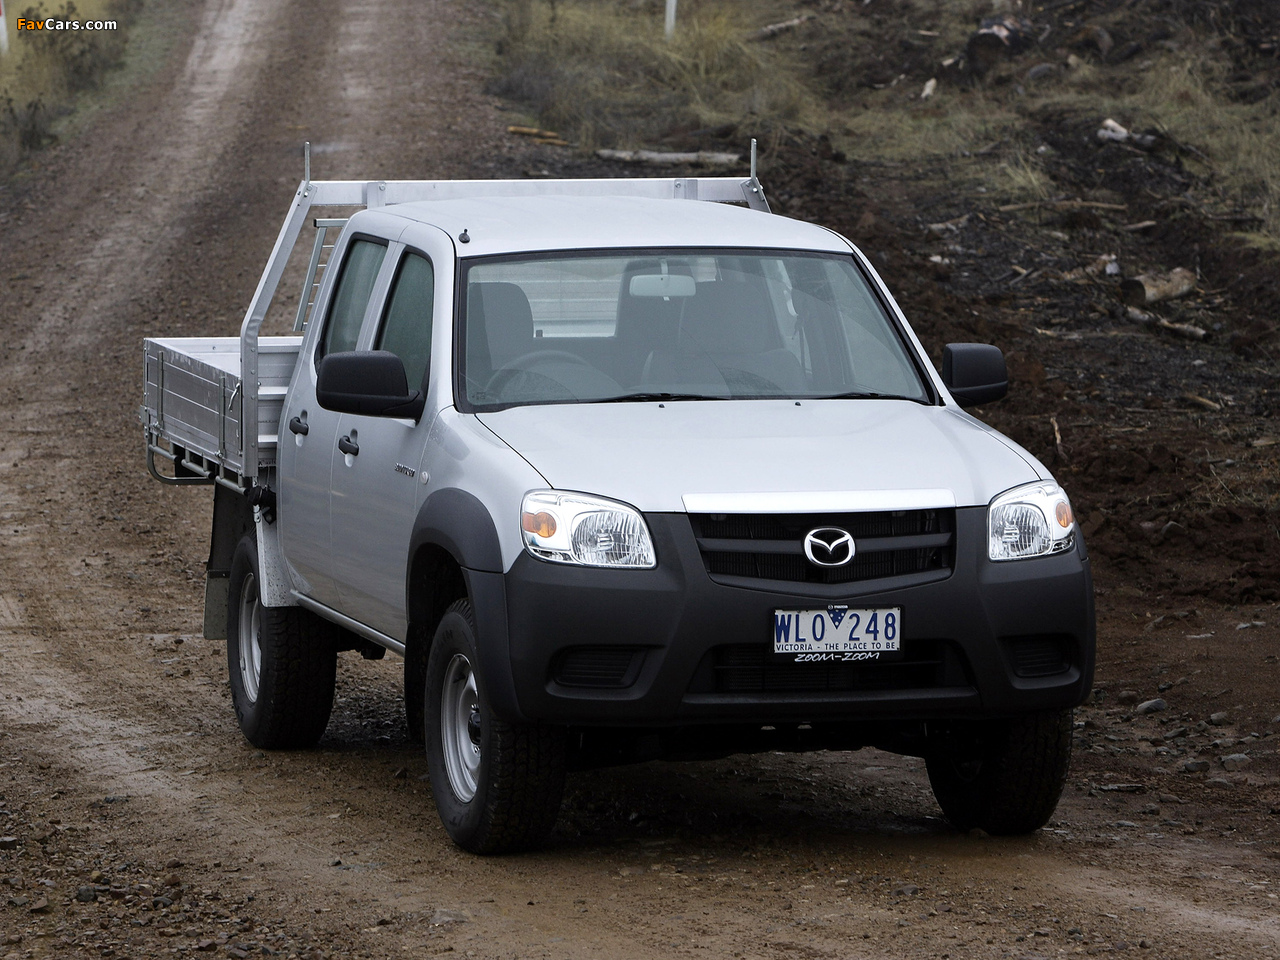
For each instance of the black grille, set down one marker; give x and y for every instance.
(1043, 655)
(752, 668)
(771, 546)
(615, 667)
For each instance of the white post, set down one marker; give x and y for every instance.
(4, 32)
(671, 18)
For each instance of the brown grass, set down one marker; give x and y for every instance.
(602, 72)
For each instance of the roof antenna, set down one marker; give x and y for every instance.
(753, 158)
(306, 160)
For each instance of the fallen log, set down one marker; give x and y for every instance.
(702, 158)
(948, 226)
(773, 29)
(1154, 287)
(534, 132)
(1202, 401)
(1062, 205)
(1188, 330)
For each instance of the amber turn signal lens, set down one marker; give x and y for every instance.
(539, 524)
(1063, 512)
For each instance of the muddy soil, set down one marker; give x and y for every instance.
(136, 822)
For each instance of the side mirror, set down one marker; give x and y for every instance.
(372, 383)
(974, 373)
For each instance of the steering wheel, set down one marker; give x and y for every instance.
(503, 376)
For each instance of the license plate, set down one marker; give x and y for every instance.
(837, 633)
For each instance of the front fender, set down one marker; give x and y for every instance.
(460, 523)
(456, 522)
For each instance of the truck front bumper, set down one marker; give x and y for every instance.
(673, 647)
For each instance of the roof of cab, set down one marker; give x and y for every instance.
(518, 224)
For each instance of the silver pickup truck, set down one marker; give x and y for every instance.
(623, 469)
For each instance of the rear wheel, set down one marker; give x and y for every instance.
(282, 662)
(497, 784)
(1004, 777)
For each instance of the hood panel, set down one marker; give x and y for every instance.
(740, 456)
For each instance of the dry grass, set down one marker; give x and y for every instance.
(1184, 98)
(45, 70)
(1024, 179)
(602, 72)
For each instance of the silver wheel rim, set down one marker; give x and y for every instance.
(460, 727)
(250, 648)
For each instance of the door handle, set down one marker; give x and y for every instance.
(299, 426)
(348, 446)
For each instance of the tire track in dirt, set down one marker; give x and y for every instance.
(385, 90)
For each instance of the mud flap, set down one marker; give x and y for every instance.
(217, 591)
(275, 589)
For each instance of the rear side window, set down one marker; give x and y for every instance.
(406, 327)
(351, 299)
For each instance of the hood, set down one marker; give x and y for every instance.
(747, 456)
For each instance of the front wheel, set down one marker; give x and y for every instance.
(497, 784)
(282, 661)
(1005, 776)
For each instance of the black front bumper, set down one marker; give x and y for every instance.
(673, 647)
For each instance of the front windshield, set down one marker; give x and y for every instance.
(681, 325)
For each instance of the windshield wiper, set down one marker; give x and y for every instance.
(867, 395)
(628, 397)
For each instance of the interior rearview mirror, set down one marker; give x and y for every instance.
(662, 285)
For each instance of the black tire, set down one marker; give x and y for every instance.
(497, 784)
(285, 702)
(1004, 777)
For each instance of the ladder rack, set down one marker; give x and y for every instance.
(373, 194)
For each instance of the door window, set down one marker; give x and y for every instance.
(406, 326)
(351, 298)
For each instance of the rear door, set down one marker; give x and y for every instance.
(378, 476)
(309, 433)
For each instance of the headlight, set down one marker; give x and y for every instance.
(575, 528)
(1034, 520)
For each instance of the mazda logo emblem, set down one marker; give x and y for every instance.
(829, 546)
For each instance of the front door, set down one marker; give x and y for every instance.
(309, 434)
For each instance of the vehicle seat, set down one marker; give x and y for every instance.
(499, 327)
(731, 322)
(645, 324)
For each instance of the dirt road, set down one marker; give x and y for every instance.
(135, 820)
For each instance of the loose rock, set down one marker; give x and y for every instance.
(1219, 718)
(1151, 706)
(1236, 761)
(1195, 766)
(442, 917)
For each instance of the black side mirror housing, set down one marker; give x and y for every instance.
(974, 373)
(369, 382)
